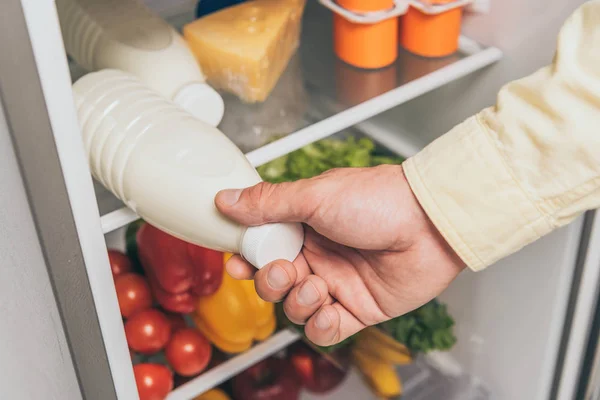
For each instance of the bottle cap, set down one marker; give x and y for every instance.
(202, 101)
(267, 243)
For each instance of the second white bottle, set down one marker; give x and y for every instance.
(168, 167)
(126, 35)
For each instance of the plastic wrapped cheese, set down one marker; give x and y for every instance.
(244, 49)
(251, 126)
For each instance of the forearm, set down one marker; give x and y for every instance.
(515, 172)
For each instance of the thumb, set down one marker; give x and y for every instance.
(267, 203)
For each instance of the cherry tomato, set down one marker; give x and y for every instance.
(147, 331)
(119, 263)
(177, 321)
(188, 352)
(133, 294)
(154, 381)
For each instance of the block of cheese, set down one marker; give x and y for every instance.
(244, 49)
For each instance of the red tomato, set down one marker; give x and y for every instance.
(188, 352)
(148, 331)
(119, 263)
(154, 381)
(133, 294)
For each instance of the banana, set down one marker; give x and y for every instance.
(380, 375)
(377, 335)
(383, 353)
(381, 346)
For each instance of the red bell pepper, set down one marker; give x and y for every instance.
(178, 272)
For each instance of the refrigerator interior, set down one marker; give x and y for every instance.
(432, 377)
(509, 324)
(509, 318)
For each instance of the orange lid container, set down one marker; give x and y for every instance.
(369, 46)
(431, 35)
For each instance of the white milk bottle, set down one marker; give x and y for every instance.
(126, 35)
(168, 166)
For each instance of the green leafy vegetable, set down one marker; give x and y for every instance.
(324, 155)
(425, 329)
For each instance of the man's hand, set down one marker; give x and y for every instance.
(370, 252)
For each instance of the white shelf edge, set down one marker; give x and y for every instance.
(232, 367)
(352, 116)
(117, 219)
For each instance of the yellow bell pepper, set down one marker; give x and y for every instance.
(234, 316)
(213, 394)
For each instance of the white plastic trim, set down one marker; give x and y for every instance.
(46, 40)
(117, 219)
(400, 8)
(434, 9)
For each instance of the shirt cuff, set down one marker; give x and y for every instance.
(471, 196)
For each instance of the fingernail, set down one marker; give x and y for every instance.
(277, 278)
(230, 196)
(308, 294)
(322, 321)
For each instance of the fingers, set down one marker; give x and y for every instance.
(306, 298)
(332, 324)
(240, 269)
(275, 280)
(266, 202)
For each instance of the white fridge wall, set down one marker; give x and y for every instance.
(525, 31)
(509, 317)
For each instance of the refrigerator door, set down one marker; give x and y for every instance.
(592, 388)
(577, 371)
(42, 126)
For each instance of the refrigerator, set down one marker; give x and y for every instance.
(527, 327)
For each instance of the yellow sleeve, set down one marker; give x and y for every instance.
(516, 171)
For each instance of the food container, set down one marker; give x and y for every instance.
(368, 45)
(432, 29)
(364, 30)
